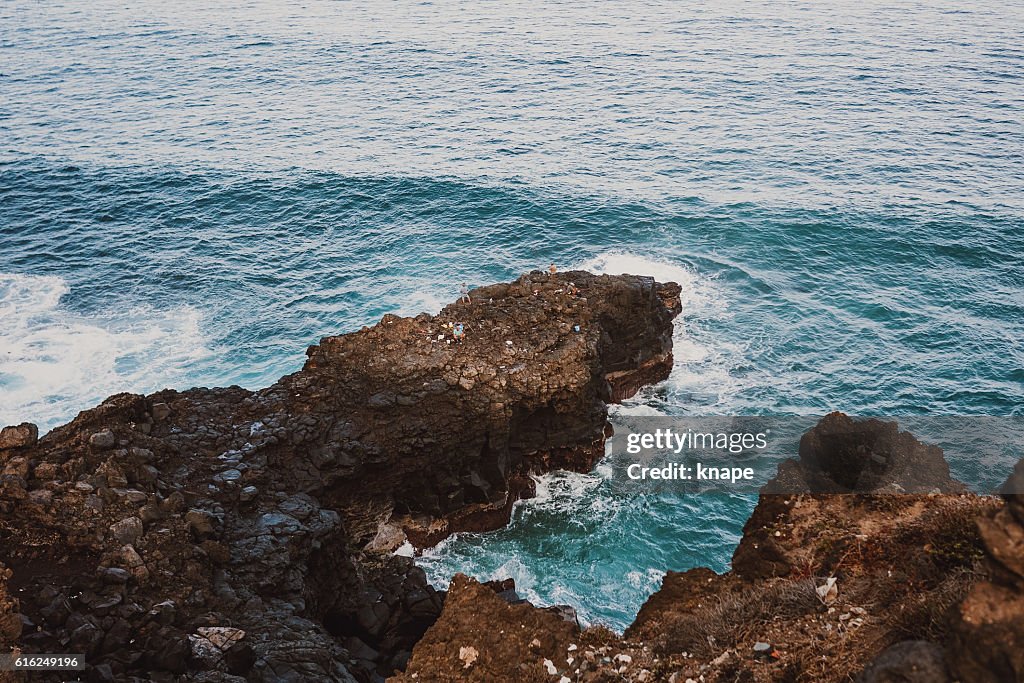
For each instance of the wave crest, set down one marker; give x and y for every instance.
(55, 362)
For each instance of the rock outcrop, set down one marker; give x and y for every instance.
(18, 436)
(526, 643)
(872, 456)
(233, 535)
(227, 534)
(839, 455)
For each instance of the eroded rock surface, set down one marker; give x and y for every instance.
(524, 644)
(221, 533)
(229, 535)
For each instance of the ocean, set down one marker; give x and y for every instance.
(191, 194)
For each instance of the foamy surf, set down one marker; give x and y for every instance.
(55, 363)
(423, 299)
(647, 580)
(586, 511)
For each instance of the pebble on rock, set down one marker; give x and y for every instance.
(468, 655)
(127, 531)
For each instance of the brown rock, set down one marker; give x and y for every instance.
(127, 531)
(913, 661)
(987, 640)
(18, 467)
(480, 637)
(161, 411)
(19, 436)
(46, 471)
(103, 440)
(987, 644)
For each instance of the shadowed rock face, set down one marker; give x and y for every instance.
(151, 528)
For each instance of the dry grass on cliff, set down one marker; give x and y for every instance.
(926, 616)
(730, 620)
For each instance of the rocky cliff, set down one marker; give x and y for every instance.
(227, 534)
(912, 580)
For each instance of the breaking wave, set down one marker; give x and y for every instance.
(55, 362)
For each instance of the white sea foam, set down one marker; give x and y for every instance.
(696, 291)
(515, 568)
(54, 362)
(648, 580)
(635, 409)
(423, 300)
(560, 490)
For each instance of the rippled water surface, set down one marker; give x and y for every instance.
(191, 195)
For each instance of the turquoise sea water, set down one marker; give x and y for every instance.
(191, 195)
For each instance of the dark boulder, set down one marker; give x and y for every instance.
(846, 455)
(912, 661)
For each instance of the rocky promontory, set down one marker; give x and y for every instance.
(228, 535)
